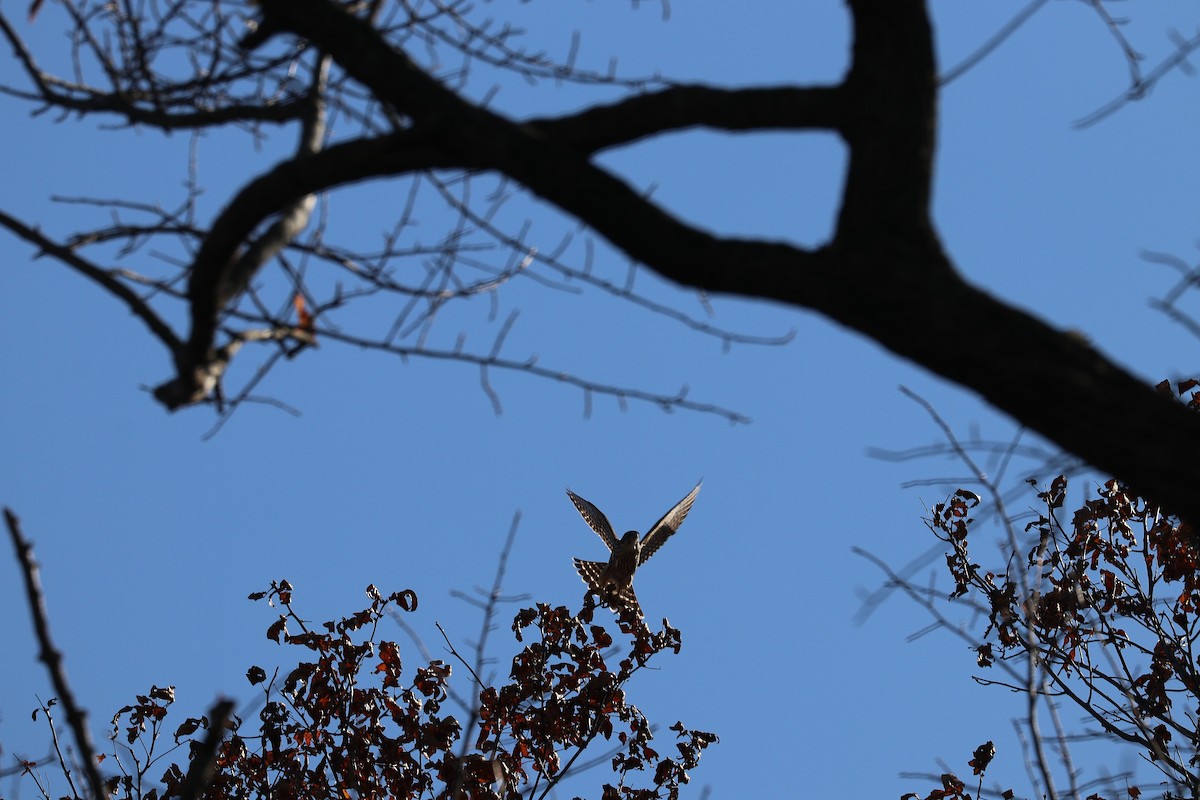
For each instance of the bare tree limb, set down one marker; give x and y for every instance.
(100, 276)
(51, 657)
(693, 106)
(995, 40)
(883, 274)
(884, 266)
(135, 108)
(1142, 84)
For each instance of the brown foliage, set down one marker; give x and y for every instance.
(348, 722)
(1102, 605)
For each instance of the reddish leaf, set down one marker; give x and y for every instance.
(305, 322)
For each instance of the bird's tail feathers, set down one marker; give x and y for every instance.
(610, 595)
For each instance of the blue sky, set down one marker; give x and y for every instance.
(400, 474)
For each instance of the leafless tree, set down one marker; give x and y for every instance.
(405, 116)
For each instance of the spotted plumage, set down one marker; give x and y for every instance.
(613, 580)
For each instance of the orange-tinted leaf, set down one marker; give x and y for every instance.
(304, 319)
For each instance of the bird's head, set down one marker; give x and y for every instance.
(630, 538)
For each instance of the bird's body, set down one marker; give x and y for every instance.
(613, 580)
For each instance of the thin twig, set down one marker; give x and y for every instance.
(66, 255)
(456, 654)
(1138, 89)
(995, 40)
(62, 760)
(494, 598)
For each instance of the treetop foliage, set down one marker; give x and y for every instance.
(347, 721)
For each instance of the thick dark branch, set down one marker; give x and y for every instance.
(468, 137)
(885, 276)
(1049, 380)
(886, 270)
(218, 275)
(68, 256)
(51, 657)
(294, 216)
(891, 130)
(584, 275)
(681, 107)
(341, 164)
(553, 170)
(446, 120)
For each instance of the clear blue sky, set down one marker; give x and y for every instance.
(401, 475)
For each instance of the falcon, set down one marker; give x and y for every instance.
(613, 581)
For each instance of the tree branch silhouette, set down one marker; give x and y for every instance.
(51, 657)
(884, 273)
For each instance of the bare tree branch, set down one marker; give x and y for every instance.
(883, 274)
(185, 110)
(884, 264)
(678, 108)
(94, 273)
(51, 657)
(1140, 84)
(994, 41)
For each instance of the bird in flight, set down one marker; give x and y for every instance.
(613, 581)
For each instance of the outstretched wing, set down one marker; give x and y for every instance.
(595, 520)
(666, 526)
